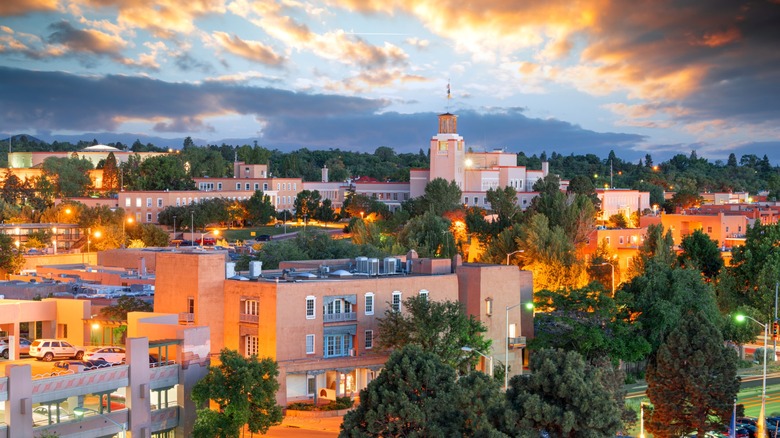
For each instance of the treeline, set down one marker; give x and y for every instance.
(682, 173)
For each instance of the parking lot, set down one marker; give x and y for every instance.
(40, 369)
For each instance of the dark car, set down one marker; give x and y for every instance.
(91, 364)
(263, 238)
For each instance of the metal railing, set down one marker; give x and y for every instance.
(339, 317)
(186, 317)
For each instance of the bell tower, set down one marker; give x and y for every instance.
(447, 151)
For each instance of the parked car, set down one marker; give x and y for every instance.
(263, 238)
(49, 349)
(24, 347)
(82, 365)
(109, 354)
(47, 414)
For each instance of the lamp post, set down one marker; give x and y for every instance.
(506, 346)
(513, 253)
(489, 358)
(89, 237)
(129, 220)
(174, 227)
(761, 423)
(80, 412)
(613, 274)
(641, 419)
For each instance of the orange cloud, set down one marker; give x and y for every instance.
(21, 7)
(251, 50)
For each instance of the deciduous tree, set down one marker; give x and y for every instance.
(702, 253)
(438, 327)
(244, 390)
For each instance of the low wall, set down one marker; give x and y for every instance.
(316, 414)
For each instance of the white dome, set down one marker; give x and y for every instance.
(100, 148)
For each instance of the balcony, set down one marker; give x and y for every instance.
(185, 317)
(519, 342)
(245, 317)
(339, 317)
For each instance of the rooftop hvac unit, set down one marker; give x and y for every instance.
(400, 266)
(390, 264)
(255, 268)
(373, 266)
(362, 265)
(230, 270)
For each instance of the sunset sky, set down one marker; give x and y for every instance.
(659, 77)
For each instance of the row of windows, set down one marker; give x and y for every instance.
(337, 306)
(286, 186)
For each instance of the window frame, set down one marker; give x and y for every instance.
(313, 309)
(313, 339)
(368, 308)
(368, 342)
(396, 307)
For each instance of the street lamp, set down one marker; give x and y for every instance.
(362, 213)
(513, 253)
(79, 412)
(489, 358)
(613, 274)
(761, 423)
(129, 220)
(528, 306)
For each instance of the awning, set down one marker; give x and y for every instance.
(352, 299)
(341, 330)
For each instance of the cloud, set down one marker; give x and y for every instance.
(252, 50)
(285, 119)
(163, 18)
(23, 7)
(85, 41)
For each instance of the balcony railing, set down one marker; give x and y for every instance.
(339, 317)
(245, 317)
(517, 342)
(186, 317)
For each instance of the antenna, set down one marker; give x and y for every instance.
(449, 95)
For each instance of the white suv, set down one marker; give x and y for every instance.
(48, 349)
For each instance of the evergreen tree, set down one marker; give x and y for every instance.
(693, 380)
(564, 397)
(110, 174)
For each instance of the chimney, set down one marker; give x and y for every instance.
(142, 267)
(325, 173)
(255, 269)
(545, 168)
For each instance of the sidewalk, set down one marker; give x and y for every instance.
(327, 424)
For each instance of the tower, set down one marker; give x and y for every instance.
(447, 151)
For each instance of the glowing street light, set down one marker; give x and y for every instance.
(761, 423)
(130, 221)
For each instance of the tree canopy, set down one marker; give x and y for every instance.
(244, 390)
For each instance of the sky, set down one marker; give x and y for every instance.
(639, 77)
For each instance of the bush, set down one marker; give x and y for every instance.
(340, 403)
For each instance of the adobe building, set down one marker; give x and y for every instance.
(319, 319)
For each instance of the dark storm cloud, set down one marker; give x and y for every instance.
(62, 101)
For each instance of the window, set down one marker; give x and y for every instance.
(311, 385)
(251, 345)
(148, 202)
(396, 303)
(424, 294)
(265, 187)
(148, 217)
(137, 202)
(709, 230)
(369, 304)
(257, 186)
(238, 186)
(727, 229)
(159, 203)
(246, 186)
(219, 186)
(178, 202)
(484, 201)
(128, 202)
(309, 344)
(190, 305)
(310, 303)
(466, 200)
(512, 330)
(369, 339)
(620, 240)
(337, 345)
(252, 307)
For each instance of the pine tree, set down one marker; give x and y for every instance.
(692, 381)
(110, 174)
